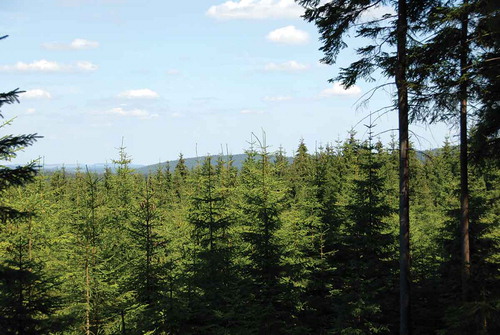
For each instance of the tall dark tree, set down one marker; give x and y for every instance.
(9, 146)
(486, 133)
(440, 71)
(22, 284)
(334, 20)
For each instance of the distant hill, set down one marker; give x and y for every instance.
(190, 163)
(97, 168)
(194, 161)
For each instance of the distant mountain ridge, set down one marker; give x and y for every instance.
(71, 168)
(190, 162)
(194, 161)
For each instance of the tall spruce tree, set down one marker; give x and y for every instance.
(147, 268)
(9, 146)
(215, 272)
(268, 308)
(308, 245)
(366, 266)
(334, 20)
(22, 282)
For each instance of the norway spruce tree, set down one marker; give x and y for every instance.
(387, 51)
(9, 146)
(269, 308)
(308, 245)
(366, 272)
(214, 274)
(24, 302)
(147, 269)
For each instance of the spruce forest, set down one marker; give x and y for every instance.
(353, 237)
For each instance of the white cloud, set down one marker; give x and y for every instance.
(339, 90)
(86, 66)
(256, 9)
(251, 111)
(376, 13)
(277, 98)
(36, 93)
(144, 93)
(290, 66)
(137, 113)
(76, 44)
(80, 43)
(288, 35)
(49, 66)
(30, 111)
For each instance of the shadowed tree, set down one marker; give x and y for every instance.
(388, 52)
(9, 146)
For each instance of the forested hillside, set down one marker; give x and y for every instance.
(356, 237)
(272, 248)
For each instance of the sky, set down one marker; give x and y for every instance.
(172, 77)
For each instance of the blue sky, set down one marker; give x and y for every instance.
(175, 76)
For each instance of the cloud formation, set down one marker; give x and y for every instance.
(36, 93)
(339, 90)
(256, 9)
(144, 93)
(76, 44)
(290, 66)
(136, 113)
(288, 35)
(49, 67)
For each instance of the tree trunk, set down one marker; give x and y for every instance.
(404, 203)
(87, 296)
(124, 331)
(464, 180)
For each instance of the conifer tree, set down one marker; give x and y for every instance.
(269, 309)
(147, 270)
(366, 266)
(9, 146)
(89, 252)
(179, 178)
(29, 292)
(121, 188)
(308, 241)
(334, 20)
(215, 273)
(22, 282)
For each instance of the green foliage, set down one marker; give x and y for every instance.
(274, 248)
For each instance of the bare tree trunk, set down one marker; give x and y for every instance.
(404, 203)
(123, 322)
(30, 238)
(20, 304)
(87, 296)
(464, 180)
